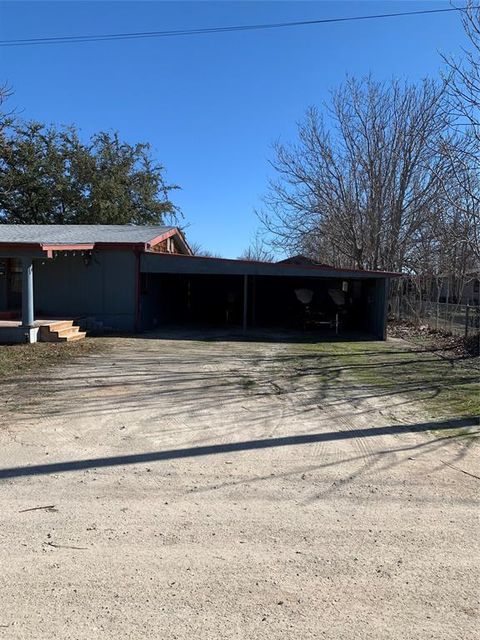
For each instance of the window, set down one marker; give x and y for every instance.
(15, 276)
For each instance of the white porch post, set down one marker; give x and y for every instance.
(27, 293)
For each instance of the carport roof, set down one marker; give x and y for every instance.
(170, 263)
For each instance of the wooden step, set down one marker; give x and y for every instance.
(58, 325)
(80, 335)
(67, 331)
(73, 337)
(60, 331)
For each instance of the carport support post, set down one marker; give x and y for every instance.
(382, 291)
(27, 292)
(245, 302)
(253, 320)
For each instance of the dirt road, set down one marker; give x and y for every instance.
(220, 490)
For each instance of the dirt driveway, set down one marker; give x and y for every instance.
(220, 490)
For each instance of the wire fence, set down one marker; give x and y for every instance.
(459, 319)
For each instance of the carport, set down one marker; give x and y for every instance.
(199, 291)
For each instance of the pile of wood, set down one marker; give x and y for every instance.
(436, 339)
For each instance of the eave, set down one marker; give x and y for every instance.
(175, 232)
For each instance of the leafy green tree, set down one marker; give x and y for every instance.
(50, 176)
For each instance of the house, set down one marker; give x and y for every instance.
(444, 288)
(465, 290)
(127, 278)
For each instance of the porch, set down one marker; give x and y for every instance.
(18, 321)
(13, 331)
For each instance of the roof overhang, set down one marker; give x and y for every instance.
(42, 250)
(22, 250)
(50, 248)
(34, 250)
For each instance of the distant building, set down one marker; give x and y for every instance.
(464, 292)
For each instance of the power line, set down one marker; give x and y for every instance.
(209, 30)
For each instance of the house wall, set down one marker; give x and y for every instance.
(3, 285)
(100, 289)
(10, 276)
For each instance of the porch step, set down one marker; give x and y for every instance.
(60, 331)
(58, 325)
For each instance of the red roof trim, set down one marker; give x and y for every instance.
(120, 245)
(168, 234)
(162, 237)
(20, 245)
(67, 247)
(91, 247)
(49, 248)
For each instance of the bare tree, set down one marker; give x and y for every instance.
(361, 185)
(200, 251)
(462, 150)
(258, 250)
(464, 76)
(6, 117)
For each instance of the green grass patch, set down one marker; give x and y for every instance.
(446, 388)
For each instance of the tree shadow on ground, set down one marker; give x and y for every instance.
(199, 379)
(231, 447)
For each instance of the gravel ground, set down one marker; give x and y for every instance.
(220, 490)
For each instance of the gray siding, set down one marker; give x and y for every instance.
(101, 290)
(3, 292)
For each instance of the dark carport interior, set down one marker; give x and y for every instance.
(226, 293)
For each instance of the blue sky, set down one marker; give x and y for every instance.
(210, 105)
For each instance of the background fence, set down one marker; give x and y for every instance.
(460, 319)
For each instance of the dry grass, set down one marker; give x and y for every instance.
(18, 359)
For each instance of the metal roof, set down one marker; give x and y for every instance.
(169, 263)
(302, 260)
(70, 234)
